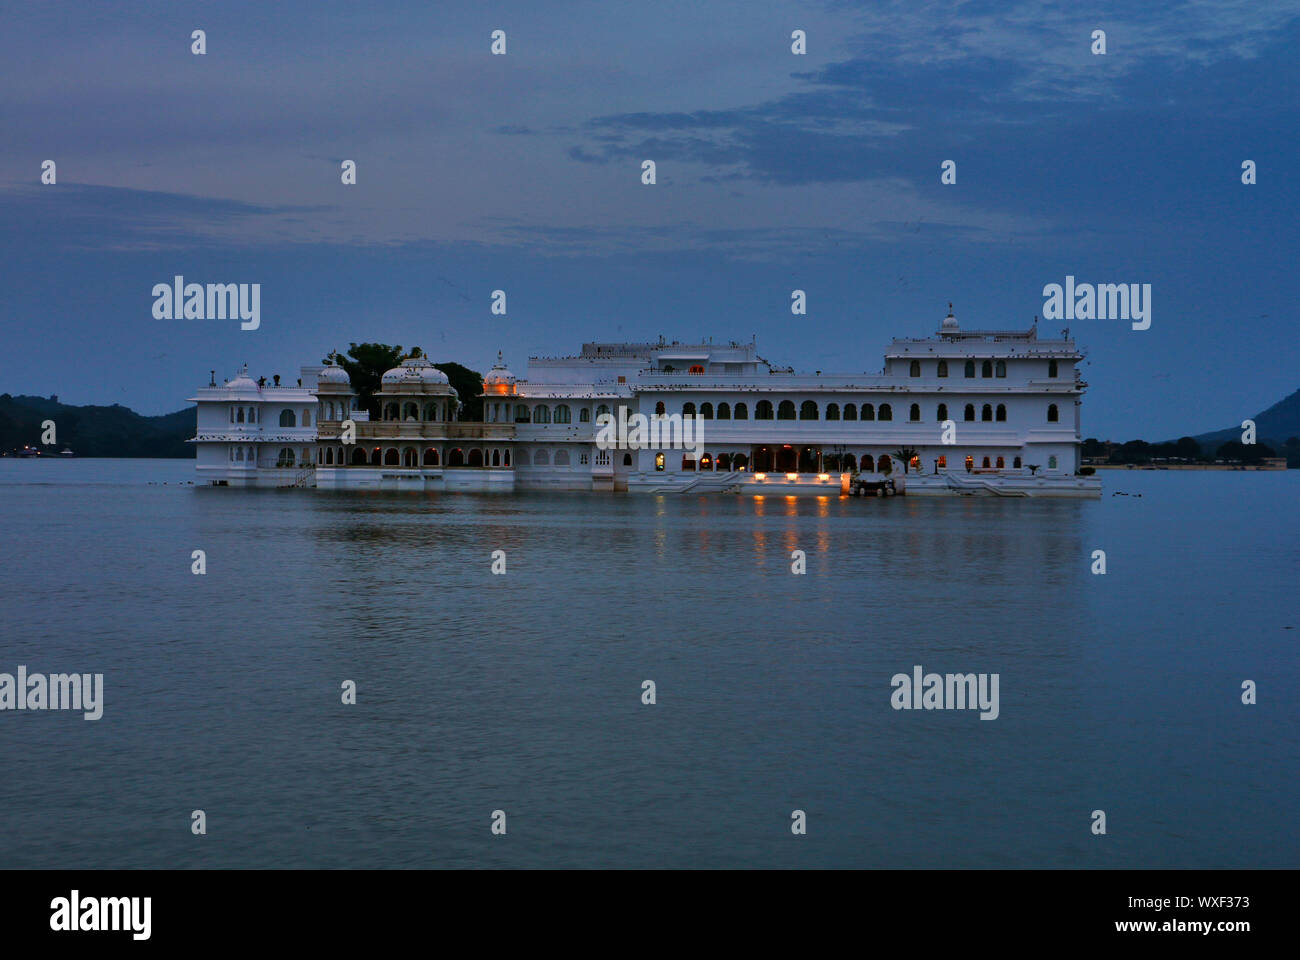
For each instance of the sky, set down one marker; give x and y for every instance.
(774, 172)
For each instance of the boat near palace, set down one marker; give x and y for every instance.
(960, 413)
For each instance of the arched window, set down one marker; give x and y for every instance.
(252, 415)
(232, 413)
(431, 457)
(724, 411)
(430, 411)
(884, 464)
(695, 369)
(659, 461)
(410, 458)
(284, 458)
(475, 457)
(359, 457)
(1002, 412)
(237, 453)
(390, 411)
(1001, 368)
(410, 411)
(541, 459)
(329, 456)
(627, 459)
(808, 410)
(986, 463)
(943, 368)
(584, 415)
(943, 462)
(886, 412)
(706, 411)
(541, 413)
(740, 412)
(850, 412)
(456, 458)
(762, 411)
(986, 369)
(1051, 368)
(563, 414)
(660, 409)
(561, 458)
(942, 413)
(914, 369)
(240, 416)
(969, 413)
(986, 412)
(914, 413)
(832, 411)
(970, 368)
(1016, 463)
(390, 457)
(505, 458)
(521, 413)
(306, 418)
(1053, 415)
(376, 457)
(785, 410)
(602, 410)
(1051, 462)
(868, 465)
(1001, 463)
(687, 462)
(688, 409)
(287, 419)
(868, 412)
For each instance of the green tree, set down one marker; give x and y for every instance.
(1245, 452)
(468, 385)
(1188, 448)
(905, 454)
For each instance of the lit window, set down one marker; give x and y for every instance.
(659, 461)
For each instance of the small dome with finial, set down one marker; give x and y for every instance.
(499, 380)
(950, 323)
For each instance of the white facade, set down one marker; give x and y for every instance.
(982, 411)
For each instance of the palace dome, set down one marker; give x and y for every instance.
(331, 374)
(418, 372)
(242, 381)
(499, 379)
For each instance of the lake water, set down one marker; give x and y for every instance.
(522, 692)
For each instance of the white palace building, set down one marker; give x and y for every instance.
(991, 412)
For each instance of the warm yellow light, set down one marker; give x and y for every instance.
(760, 476)
(823, 476)
(792, 476)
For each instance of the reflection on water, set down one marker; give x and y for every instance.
(522, 691)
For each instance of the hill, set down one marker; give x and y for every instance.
(91, 431)
(1273, 427)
